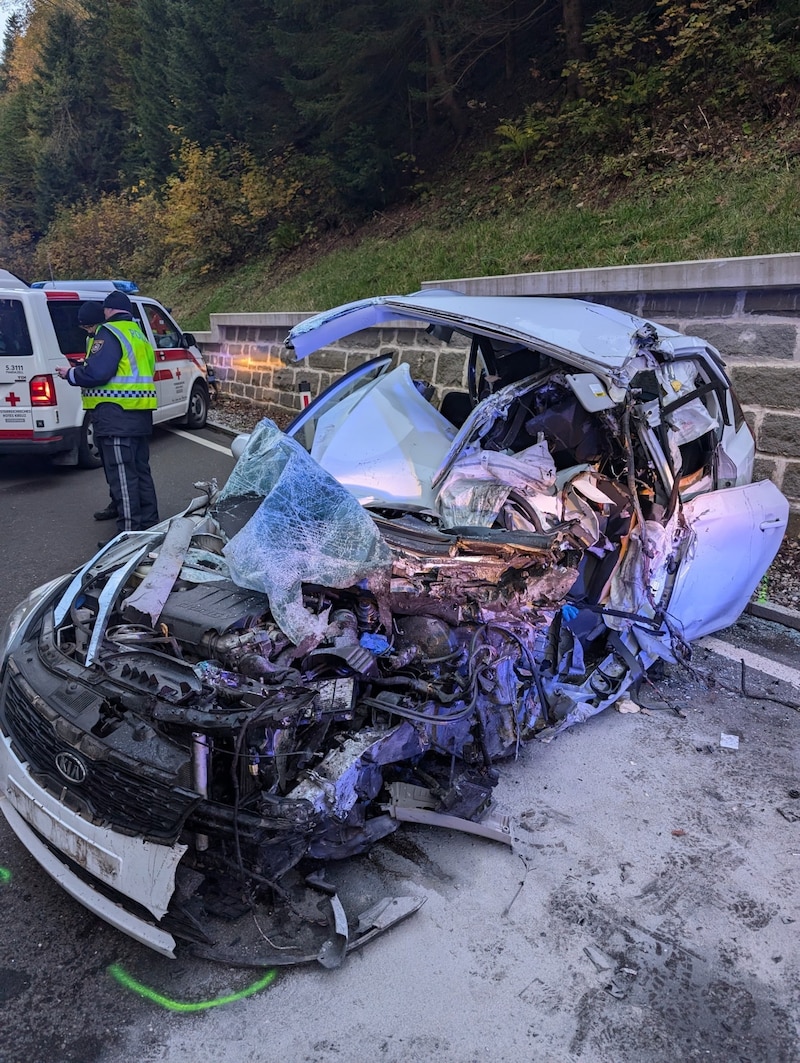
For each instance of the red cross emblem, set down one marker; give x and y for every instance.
(13, 399)
(178, 373)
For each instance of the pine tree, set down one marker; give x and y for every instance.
(77, 128)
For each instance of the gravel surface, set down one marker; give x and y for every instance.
(238, 415)
(780, 586)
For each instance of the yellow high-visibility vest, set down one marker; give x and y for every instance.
(132, 386)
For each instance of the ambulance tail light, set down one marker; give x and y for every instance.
(43, 391)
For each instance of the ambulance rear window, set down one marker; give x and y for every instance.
(71, 337)
(15, 340)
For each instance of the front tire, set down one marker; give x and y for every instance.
(197, 413)
(88, 452)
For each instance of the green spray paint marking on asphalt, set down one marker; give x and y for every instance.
(5, 875)
(129, 982)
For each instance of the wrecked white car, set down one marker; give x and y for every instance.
(378, 606)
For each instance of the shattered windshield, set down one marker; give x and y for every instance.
(306, 529)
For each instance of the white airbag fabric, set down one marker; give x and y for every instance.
(385, 443)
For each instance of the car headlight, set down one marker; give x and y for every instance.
(10, 634)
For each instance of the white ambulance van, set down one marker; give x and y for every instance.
(42, 414)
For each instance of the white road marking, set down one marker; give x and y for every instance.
(198, 439)
(752, 660)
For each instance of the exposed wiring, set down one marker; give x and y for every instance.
(423, 717)
(537, 677)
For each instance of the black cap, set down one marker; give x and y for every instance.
(91, 314)
(118, 300)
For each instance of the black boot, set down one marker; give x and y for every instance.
(109, 513)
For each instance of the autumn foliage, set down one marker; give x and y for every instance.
(138, 136)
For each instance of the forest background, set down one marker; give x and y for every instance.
(293, 154)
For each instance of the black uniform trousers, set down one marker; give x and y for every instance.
(126, 461)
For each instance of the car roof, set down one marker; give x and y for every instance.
(128, 287)
(62, 292)
(11, 280)
(581, 333)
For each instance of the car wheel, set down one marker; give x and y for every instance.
(88, 452)
(198, 407)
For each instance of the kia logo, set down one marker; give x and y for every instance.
(71, 767)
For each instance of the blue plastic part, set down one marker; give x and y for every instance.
(375, 643)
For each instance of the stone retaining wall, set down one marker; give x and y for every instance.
(748, 308)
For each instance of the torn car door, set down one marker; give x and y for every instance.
(735, 535)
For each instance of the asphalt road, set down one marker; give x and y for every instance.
(46, 525)
(642, 844)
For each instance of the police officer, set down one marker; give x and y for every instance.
(116, 382)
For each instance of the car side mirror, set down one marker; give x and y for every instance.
(188, 340)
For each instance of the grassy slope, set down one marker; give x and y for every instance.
(504, 228)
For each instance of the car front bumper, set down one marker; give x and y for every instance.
(84, 858)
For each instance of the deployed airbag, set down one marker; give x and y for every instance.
(384, 444)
